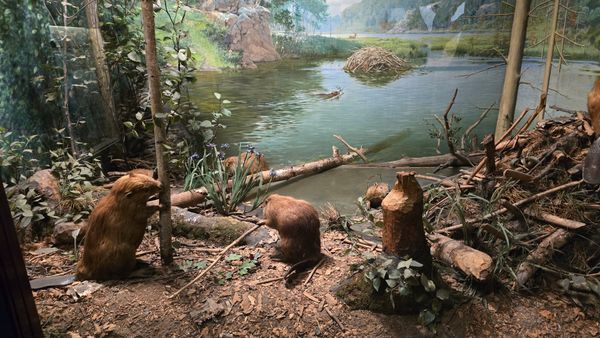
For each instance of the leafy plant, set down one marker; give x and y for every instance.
(16, 157)
(405, 278)
(246, 264)
(75, 175)
(188, 265)
(224, 190)
(27, 208)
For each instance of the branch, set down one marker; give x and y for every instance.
(475, 124)
(357, 151)
(451, 148)
(217, 259)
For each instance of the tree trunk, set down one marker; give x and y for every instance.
(403, 232)
(102, 74)
(549, 56)
(512, 76)
(66, 85)
(160, 137)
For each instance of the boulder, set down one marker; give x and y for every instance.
(251, 34)
(46, 184)
(62, 234)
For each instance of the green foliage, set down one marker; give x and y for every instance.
(245, 266)
(314, 46)
(210, 172)
(405, 278)
(188, 265)
(27, 208)
(75, 175)
(17, 160)
(298, 15)
(406, 49)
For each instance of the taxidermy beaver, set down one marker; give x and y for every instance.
(252, 162)
(594, 106)
(299, 237)
(375, 194)
(115, 230)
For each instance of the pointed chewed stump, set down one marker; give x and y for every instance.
(400, 280)
(403, 233)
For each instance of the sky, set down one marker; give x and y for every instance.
(337, 6)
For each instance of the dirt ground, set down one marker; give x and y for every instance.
(228, 302)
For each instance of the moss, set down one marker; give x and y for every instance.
(407, 49)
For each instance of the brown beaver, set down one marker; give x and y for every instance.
(594, 105)
(375, 194)
(299, 237)
(251, 162)
(116, 228)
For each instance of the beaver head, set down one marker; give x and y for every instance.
(135, 188)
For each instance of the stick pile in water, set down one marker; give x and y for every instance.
(375, 60)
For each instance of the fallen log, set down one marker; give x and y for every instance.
(540, 255)
(185, 199)
(472, 262)
(217, 230)
(426, 161)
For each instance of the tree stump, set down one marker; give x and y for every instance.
(403, 233)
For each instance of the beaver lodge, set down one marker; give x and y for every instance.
(375, 60)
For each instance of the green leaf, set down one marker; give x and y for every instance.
(404, 264)
(139, 116)
(133, 56)
(218, 95)
(128, 124)
(233, 257)
(442, 294)
(226, 102)
(428, 284)
(391, 283)
(426, 317)
(226, 112)
(206, 124)
(377, 284)
(394, 274)
(200, 265)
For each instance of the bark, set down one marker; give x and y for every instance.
(426, 161)
(472, 262)
(490, 154)
(66, 112)
(512, 76)
(403, 232)
(549, 56)
(102, 74)
(160, 137)
(541, 254)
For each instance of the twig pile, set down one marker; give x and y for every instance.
(529, 209)
(375, 60)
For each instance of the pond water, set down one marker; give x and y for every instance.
(276, 110)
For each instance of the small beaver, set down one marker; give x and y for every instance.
(594, 106)
(116, 228)
(252, 162)
(299, 237)
(375, 194)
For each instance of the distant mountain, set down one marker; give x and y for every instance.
(382, 16)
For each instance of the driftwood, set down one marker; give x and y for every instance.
(403, 232)
(427, 161)
(444, 182)
(185, 199)
(540, 255)
(517, 175)
(472, 262)
(217, 260)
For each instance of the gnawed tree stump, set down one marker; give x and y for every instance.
(403, 233)
(472, 262)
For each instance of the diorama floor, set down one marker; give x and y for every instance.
(234, 305)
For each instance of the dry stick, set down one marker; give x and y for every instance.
(443, 182)
(357, 151)
(335, 319)
(504, 136)
(270, 280)
(446, 125)
(556, 220)
(474, 125)
(313, 271)
(541, 254)
(517, 204)
(239, 239)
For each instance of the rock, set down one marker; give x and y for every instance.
(251, 34)
(62, 234)
(487, 9)
(46, 184)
